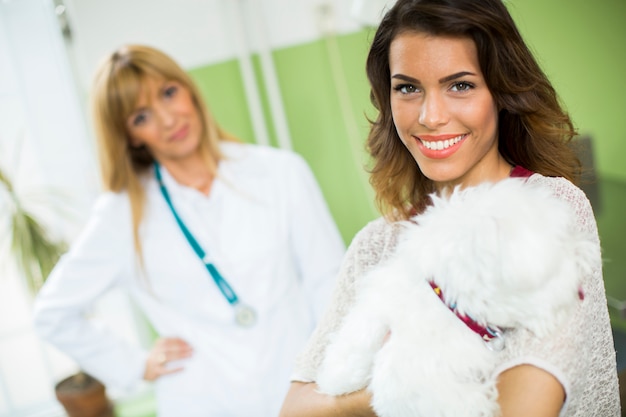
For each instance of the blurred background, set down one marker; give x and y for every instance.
(279, 72)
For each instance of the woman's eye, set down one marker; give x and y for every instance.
(462, 86)
(405, 88)
(170, 91)
(138, 119)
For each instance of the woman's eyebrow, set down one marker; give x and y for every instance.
(405, 78)
(455, 76)
(441, 80)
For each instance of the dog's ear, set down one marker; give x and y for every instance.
(544, 258)
(513, 239)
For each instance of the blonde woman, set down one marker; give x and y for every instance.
(228, 249)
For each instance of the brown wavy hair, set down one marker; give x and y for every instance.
(115, 93)
(534, 130)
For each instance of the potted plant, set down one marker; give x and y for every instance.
(36, 253)
(83, 396)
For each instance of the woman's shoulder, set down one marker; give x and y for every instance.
(257, 154)
(112, 200)
(565, 190)
(109, 222)
(375, 241)
(112, 207)
(378, 230)
(259, 164)
(561, 187)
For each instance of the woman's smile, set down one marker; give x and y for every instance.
(180, 134)
(440, 146)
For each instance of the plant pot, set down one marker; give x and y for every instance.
(83, 396)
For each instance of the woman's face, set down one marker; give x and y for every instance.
(443, 110)
(166, 121)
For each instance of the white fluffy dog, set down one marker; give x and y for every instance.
(508, 254)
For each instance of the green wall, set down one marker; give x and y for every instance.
(581, 45)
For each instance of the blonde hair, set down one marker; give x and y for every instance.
(116, 90)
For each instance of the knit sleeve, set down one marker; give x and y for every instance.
(580, 354)
(370, 246)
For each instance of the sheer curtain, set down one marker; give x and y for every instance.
(47, 150)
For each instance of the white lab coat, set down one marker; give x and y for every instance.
(269, 232)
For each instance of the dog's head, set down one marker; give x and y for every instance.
(508, 253)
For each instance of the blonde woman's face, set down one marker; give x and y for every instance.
(443, 110)
(166, 121)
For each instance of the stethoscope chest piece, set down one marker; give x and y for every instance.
(245, 316)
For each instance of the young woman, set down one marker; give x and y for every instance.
(462, 101)
(228, 249)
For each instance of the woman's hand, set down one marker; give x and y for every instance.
(303, 400)
(164, 351)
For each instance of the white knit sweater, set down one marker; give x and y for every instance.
(580, 355)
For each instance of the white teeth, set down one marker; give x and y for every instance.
(442, 144)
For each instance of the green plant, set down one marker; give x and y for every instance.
(35, 253)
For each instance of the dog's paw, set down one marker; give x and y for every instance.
(343, 373)
(337, 389)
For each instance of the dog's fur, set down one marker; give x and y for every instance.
(509, 254)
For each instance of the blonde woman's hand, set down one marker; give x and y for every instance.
(165, 351)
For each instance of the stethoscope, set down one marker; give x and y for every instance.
(245, 315)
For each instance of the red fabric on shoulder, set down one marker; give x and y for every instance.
(520, 172)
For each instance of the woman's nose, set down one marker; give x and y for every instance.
(165, 115)
(433, 111)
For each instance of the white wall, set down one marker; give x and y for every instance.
(200, 32)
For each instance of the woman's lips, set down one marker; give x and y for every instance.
(440, 146)
(180, 134)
